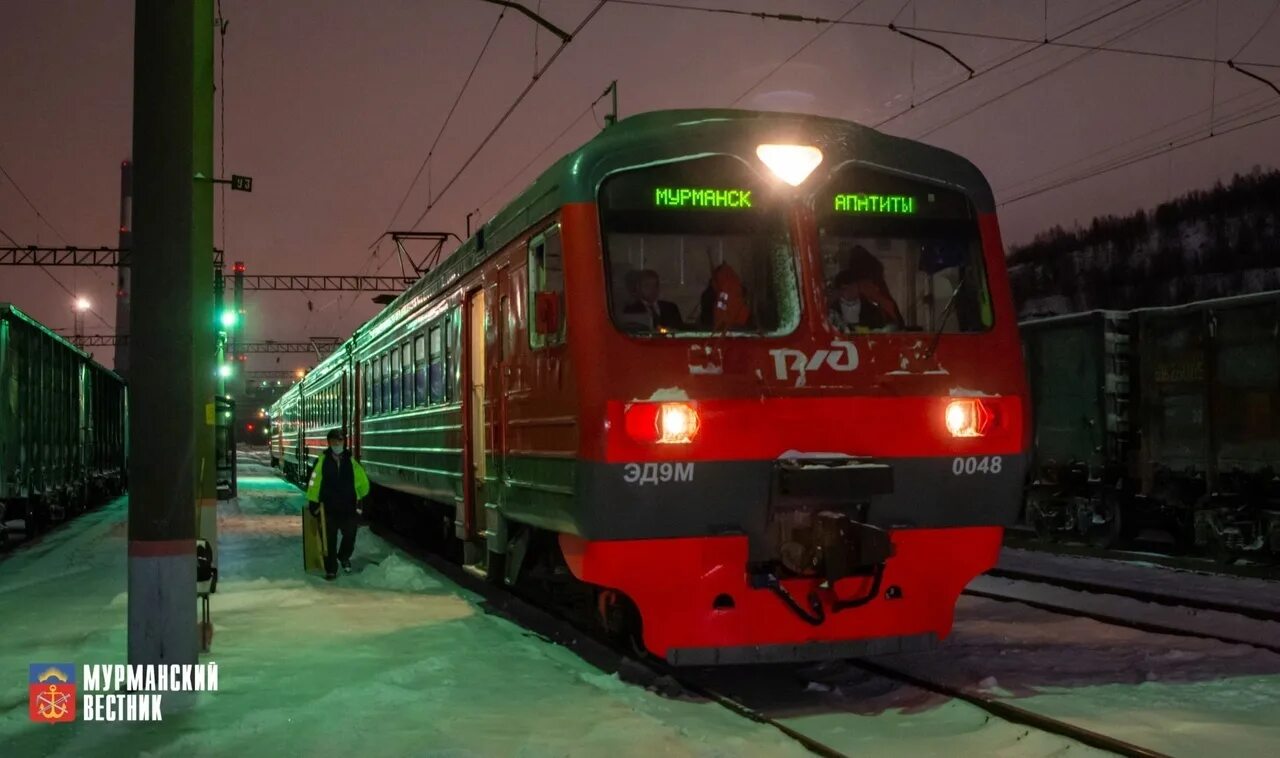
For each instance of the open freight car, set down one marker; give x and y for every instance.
(1209, 409)
(63, 421)
(1080, 475)
(1159, 417)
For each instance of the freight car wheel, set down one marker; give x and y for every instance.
(1041, 525)
(1107, 534)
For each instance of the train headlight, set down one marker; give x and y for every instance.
(790, 163)
(662, 423)
(968, 418)
(677, 423)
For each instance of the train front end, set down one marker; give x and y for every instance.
(802, 421)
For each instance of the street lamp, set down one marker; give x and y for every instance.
(82, 306)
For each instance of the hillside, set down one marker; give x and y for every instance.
(1215, 243)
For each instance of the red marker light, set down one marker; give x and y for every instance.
(968, 418)
(662, 423)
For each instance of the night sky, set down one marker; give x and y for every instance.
(331, 107)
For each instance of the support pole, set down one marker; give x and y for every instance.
(170, 349)
(123, 285)
(204, 279)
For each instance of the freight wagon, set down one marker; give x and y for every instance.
(63, 421)
(1166, 417)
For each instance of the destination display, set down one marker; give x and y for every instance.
(701, 197)
(903, 205)
(858, 192)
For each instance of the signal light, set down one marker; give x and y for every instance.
(790, 163)
(224, 371)
(968, 418)
(662, 423)
(227, 319)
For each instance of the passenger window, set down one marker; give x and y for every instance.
(395, 379)
(452, 356)
(364, 384)
(386, 383)
(406, 353)
(375, 385)
(420, 370)
(546, 286)
(437, 366)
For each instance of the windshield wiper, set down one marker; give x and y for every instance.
(942, 324)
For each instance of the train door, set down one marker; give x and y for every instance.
(475, 437)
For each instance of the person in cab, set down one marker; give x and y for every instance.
(860, 300)
(649, 311)
(338, 486)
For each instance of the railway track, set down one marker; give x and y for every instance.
(1109, 604)
(1197, 564)
(706, 683)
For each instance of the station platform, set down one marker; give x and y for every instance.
(392, 659)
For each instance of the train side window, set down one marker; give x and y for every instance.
(386, 383)
(375, 388)
(406, 374)
(546, 278)
(452, 356)
(437, 366)
(395, 379)
(420, 369)
(366, 380)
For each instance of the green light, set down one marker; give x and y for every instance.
(228, 319)
(224, 370)
(901, 205)
(691, 197)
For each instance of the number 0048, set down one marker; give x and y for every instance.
(987, 464)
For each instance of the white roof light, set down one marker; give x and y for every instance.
(790, 163)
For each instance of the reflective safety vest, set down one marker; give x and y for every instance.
(357, 473)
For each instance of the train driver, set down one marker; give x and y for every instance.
(659, 314)
(860, 297)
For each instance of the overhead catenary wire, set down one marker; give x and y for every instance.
(1146, 134)
(18, 188)
(551, 143)
(55, 279)
(445, 124)
(1035, 45)
(1137, 159)
(1156, 18)
(1055, 41)
(1265, 22)
(510, 109)
(829, 26)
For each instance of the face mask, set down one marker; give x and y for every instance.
(337, 448)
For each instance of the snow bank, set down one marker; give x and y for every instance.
(398, 574)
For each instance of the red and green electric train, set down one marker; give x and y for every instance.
(750, 382)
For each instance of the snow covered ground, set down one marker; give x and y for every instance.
(397, 660)
(1178, 695)
(1146, 576)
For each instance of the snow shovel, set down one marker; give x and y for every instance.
(313, 539)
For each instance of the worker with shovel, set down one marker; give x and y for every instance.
(338, 485)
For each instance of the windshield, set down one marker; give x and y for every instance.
(695, 248)
(898, 254)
